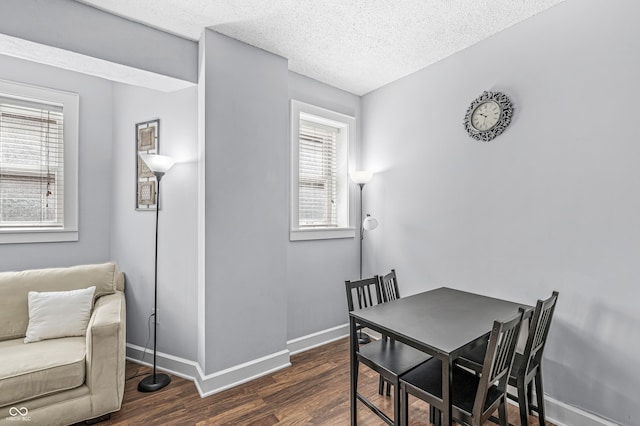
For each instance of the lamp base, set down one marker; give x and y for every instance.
(153, 383)
(363, 338)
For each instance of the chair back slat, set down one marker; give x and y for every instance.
(363, 292)
(500, 365)
(389, 286)
(365, 298)
(538, 330)
(498, 360)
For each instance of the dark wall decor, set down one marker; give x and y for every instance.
(147, 140)
(488, 116)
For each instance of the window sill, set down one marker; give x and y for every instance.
(321, 234)
(21, 236)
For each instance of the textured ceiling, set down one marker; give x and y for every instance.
(357, 46)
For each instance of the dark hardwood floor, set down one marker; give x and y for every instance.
(313, 391)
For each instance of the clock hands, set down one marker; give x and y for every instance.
(484, 119)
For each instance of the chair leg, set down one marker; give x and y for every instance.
(437, 417)
(434, 416)
(404, 406)
(530, 396)
(523, 402)
(381, 385)
(502, 411)
(355, 378)
(388, 388)
(540, 398)
(396, 402)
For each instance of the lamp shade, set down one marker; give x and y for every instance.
(370, 223)
(361, 176)
(158, 163)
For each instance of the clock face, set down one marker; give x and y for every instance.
(485, 116)
(488, 116)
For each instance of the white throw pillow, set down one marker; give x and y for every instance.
(54, 314)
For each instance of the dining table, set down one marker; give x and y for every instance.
(443, 322)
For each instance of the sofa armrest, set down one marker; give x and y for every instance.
(105, 361)
(120, 281)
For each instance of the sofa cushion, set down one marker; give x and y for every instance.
(15, 286)
(32, 370)
(54, 314)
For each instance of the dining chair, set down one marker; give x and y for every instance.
(390, 291)
(387, 357)
(527, 366)
(389, 286)
(364, 291)
(474, 398)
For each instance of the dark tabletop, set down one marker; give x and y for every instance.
(442, 321)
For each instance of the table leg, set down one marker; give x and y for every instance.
(447, 379)
(353, 360)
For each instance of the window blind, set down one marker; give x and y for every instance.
(317, 175)
(31, 164)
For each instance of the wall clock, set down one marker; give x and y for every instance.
(488, 116)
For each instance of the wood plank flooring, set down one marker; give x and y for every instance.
(313, 391)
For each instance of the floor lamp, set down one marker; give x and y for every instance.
(159, 165)
(369, 223)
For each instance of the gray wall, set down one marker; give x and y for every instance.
(245, 161)
(133, 232)
(109, 227)
(316, 270)
(247, 230)
(73, 26)
(550, 204)
(94, 169)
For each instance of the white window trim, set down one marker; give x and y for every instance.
(71, 106)
(302, 234)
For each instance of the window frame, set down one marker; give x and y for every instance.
(70, 104)
(346, 156)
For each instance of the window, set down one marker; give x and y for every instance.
(321, 143)
(38, 164)
(317, 171)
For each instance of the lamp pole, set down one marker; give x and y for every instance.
(361, 185)
(363, 338)
(155, 381)
(158, 165)
(361, 178)
(155, 274)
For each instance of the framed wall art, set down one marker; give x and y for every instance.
(147, 141)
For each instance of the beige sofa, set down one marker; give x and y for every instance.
(65, 380)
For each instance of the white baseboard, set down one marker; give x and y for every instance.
(208, 384)
(562, 414)
(239, 374)
(314, 340)
(172, 364)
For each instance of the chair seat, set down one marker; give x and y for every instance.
(428, 378)
(517, 365)
(474, 358)
(391, 356)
